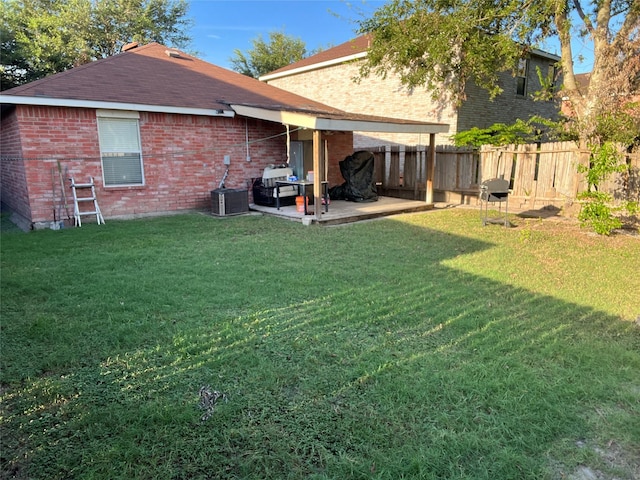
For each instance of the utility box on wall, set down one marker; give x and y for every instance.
(227, 201)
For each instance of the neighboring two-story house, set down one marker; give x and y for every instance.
(328, 77)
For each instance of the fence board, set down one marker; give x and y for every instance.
(410, 168)
(446, 167)
(633, 177)
(524, 177)
(547, 173)
(496, 163)
(467, 163)
(566, 171)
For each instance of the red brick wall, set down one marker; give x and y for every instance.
(182, 158)
(14, 184)
(340, 145)
(50, 135)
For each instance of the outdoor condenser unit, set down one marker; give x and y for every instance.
(227, 201)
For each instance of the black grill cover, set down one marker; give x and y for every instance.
(359, 185)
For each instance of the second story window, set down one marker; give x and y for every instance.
(552, 78)
(521, 77)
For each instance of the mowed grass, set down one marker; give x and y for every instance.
(420, 347)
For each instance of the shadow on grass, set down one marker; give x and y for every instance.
(388, 365)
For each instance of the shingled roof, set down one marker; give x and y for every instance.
(351, 49)
(159, 79)
(155, 75)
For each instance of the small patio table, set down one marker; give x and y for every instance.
(302, 190)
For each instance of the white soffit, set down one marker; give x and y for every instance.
(321, 121)
(65, 102)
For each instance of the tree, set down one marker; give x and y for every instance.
(42, 37)
(279, 51)
(443, 44)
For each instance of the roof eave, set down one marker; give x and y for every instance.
(380, 127)
(94, 104)
(543, 54)
(315, 66)
(318, 121)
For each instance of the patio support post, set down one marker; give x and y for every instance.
(318, 170)
(431, 166)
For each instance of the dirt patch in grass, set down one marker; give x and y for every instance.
(570, 225)
(566, 226)
(601, 462)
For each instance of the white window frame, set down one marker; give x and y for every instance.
(112, 152)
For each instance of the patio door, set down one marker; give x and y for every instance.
(301, 157)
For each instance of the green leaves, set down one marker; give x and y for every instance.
(43, 37)
(605, 160)
(620, 125)
(442, 44)
(266, 56)
(499, 134)
(597, 211)
(597, 214)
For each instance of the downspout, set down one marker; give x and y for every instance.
(246, 138)
(326, 161)
(288, 144)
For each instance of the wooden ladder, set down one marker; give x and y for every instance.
(77, 213)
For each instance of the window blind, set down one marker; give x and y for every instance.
(121, 169)
(120, 149)
(119, 135)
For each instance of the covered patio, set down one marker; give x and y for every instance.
(323, 123)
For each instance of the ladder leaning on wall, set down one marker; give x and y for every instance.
(78, 200)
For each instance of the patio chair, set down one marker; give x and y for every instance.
(264, 188)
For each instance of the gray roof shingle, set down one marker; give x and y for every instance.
(148, 75)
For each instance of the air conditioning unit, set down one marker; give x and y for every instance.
(227, 201)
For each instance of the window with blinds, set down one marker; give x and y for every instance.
(120, 150)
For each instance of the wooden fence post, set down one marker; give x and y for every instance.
(431, 167)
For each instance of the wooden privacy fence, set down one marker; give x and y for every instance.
(540, 175)
(401, 171)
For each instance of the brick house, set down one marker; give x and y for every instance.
(157, 129)
(328, 77)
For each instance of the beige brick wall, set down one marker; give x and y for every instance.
(334, 85)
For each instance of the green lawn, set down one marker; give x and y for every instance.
(420, 346)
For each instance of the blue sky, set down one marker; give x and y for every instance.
(221, 26)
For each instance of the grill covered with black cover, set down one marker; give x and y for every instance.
(359, 186)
